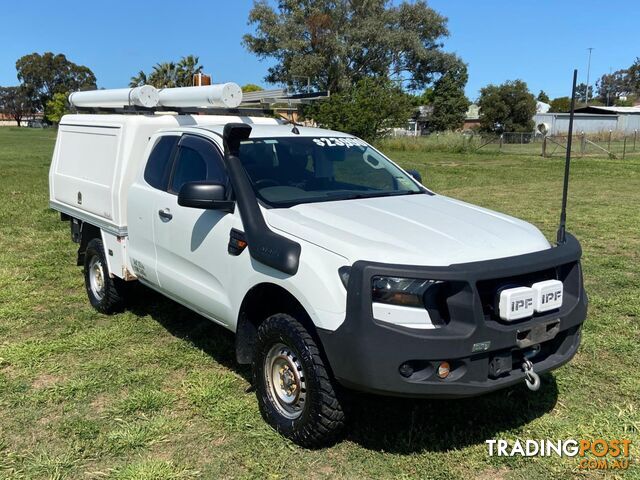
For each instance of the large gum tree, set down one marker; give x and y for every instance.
(333, 44)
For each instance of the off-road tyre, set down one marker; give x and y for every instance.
(110, 298)
(321, 419)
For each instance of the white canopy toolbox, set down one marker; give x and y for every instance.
(96, 158)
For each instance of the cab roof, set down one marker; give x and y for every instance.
(262, 127)
(282, 130)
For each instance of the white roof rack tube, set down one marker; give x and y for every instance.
(144, 96)
(222, 95)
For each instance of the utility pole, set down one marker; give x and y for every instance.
(586, 95)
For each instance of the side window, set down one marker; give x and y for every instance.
(190, 167)
(197, 159)
(156, 173)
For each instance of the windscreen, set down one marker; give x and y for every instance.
(286, 171)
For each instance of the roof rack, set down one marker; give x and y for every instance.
(135, 110)
(280, 95)
(260, 103)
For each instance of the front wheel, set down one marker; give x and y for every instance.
(296, 394)
(105, 293)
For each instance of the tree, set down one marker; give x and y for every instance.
(45, 75)
(251, 87)
(15, 103)
(425, 98)
(449, 101)
(164, 75)
(368, 109)
(138, 80)
(633, 77)
(543, 97)
(560, 105)
(337, 43)
(56, 108)
(621, 83)
(186, 69)
(509, 107)
(611, 86)
(169, 74)
(623, 102)
(581, 92)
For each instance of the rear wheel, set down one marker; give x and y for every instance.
(106, 294)
(295, 392)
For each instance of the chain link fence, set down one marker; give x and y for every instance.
(605, 144)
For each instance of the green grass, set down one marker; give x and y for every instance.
(154, 393)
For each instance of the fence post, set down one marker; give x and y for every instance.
(609, 145)
(635, 135)
(544, 147)
(583, 144)
(624, 147)
(501, 135)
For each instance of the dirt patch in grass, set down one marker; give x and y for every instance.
(100, 403)
(51, 417)
(46, 380)
(492, 474)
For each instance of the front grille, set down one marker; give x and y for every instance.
(490, 289)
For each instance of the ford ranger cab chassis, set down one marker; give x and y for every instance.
(335, 268)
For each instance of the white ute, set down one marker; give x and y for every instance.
(335, 268)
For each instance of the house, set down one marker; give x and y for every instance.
(542, 107)
(8, 121)
(591, 119)
(472, 117)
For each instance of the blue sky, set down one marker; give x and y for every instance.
(538, 41)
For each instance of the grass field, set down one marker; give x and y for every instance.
(154, 392)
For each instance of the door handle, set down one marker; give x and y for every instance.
(165, 214)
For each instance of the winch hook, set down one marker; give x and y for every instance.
(531, 378)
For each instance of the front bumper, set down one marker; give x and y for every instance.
(366, 354)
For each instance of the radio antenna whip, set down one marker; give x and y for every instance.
(561, 237)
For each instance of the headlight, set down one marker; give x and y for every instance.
(416, 303)
(408, 292)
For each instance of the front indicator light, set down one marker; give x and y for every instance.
(444, 369)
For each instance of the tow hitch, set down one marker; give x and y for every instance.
(532, 338)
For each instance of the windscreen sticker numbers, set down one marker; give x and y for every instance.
(339, 142)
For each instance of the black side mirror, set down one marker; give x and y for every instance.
(415, 174)
(207, 195)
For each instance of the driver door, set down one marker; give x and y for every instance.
(191, 243)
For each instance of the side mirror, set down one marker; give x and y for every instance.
(207, 195)
(415, 174)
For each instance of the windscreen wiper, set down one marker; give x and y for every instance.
(356, 196)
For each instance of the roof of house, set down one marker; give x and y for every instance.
(609, 110)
